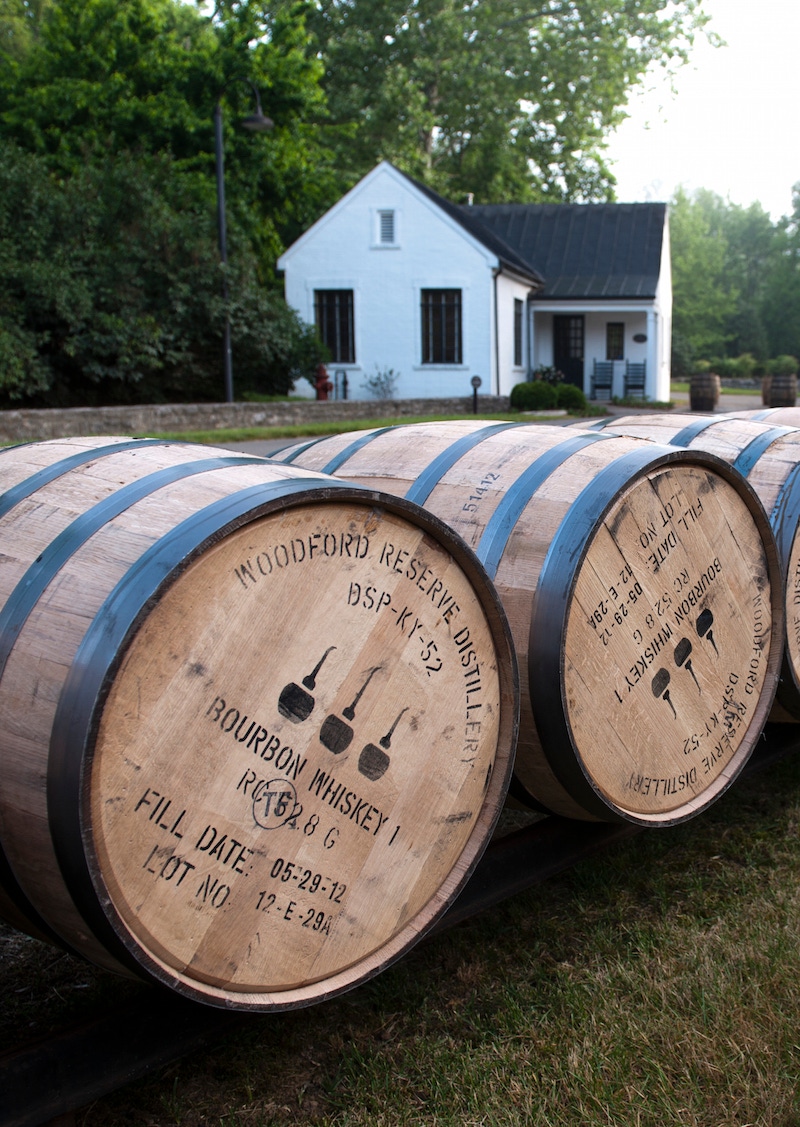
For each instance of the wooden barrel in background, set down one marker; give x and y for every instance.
(764, 446)
(783, 390)
(704, 391)
(257, 724)
(643, 590)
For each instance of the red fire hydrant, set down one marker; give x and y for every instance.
(323, 384)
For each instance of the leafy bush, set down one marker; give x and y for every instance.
(782, 366)
(534, 395)
(111, 290)
(742, 367)
(727, 368)
(570, 398)
(746, 365)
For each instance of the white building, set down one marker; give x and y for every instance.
(397, 278)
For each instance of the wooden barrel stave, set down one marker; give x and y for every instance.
(75, 577)
(779, 416)
(470, 495)
(484, 472)
(765, 447)
(107, 571)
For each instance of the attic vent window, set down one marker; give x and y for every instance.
(386, 227)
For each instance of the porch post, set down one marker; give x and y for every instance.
(530, 332)
(653, 357)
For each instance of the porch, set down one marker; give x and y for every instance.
(607, 352)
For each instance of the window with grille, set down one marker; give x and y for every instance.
(441, 326)
(333, 316)
(386, 227)
(517, 333)
(615, 340)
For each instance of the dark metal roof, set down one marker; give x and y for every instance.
(484, 233)
(571, 250)
(582, 250)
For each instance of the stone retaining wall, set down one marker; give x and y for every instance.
(29, 425)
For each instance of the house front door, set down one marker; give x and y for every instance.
(568, 347)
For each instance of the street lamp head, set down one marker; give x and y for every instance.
(257, 122)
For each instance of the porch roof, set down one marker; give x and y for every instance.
(604, 251)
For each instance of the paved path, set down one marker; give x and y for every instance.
(726, 402)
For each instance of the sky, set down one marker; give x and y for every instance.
(733, 124)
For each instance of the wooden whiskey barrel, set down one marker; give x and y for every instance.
(764, 446)
(777, 416)
(258, 724)
(783, 390)
(704, 391)
(641, 584)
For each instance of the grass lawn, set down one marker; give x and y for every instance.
(656, 984)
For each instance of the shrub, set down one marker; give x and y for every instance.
(535, 395)
(726, 367)
(110, 286)
(746, 365)
(782, 366)
(571, 398)
(730, 367)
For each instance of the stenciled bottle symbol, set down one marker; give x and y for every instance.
(373, 761)
(682, 657)
(295, 702)
(661, 688)
(703, 626)
(334, 734)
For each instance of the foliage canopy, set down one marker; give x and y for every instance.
(112, 282)
(110, 290)
(736, 280)
(510, 101)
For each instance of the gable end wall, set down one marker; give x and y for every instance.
(342, 251)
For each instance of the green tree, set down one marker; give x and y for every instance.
(752, 256)
(705, 295)
(110, 290)
(781, 300)
(748, 235)
(112, 283)
(732, 279)
(100, 77)
(19, 21)
(506, 100)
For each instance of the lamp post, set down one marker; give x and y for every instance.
(256, 123)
